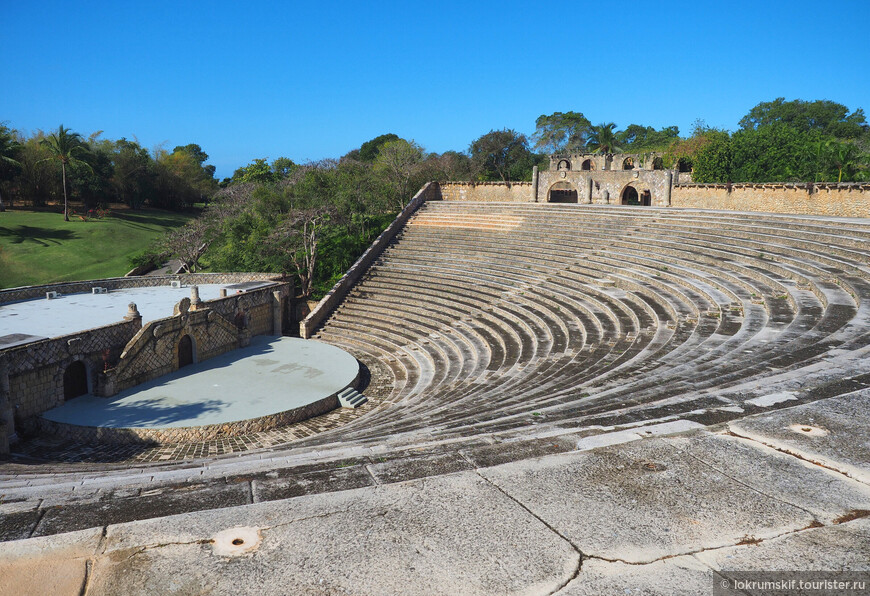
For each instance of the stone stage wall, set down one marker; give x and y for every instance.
(124, 354)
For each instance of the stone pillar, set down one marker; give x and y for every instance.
(278, 312)
(7, 417)
(195, 302)
(132, 313)
(535, 184)
(589, 185)
(669, 182)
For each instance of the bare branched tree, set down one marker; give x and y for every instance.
(294, 242)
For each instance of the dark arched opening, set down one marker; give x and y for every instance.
(586, 165)
(562, 192)
(658, 164)
(684, 165)
(630, 196)
(75, 380)
(628, 164)
(646, 198)
(564, 165)
(185, 351)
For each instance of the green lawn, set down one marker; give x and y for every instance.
(39, 248)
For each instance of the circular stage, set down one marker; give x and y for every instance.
(273, 382)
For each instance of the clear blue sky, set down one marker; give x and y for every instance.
(310, 80)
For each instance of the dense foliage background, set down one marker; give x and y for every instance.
(313, 220)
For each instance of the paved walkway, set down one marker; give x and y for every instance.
(679, 513)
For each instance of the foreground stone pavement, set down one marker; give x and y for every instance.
(674, 514)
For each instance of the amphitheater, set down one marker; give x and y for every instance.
(571, 398)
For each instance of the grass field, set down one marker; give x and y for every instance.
(39, 247)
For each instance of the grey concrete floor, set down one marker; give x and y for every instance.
(272, 375)
(681, 513)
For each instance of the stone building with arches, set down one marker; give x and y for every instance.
(607, 179)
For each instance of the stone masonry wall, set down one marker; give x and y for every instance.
(607, 186)
(153, 352)
(114, 283)
(35, 370)
(843, 200)
(515, 192)
(31, 375)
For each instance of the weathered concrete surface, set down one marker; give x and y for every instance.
(825, 493)
(642, 501)
(668, 514)
(678, 576)
(835, 548)
(833, 432)
(54, 565)
(451, 535)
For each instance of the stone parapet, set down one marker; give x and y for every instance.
(829, 199)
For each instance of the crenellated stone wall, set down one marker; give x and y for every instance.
(841, 200)
(515, 192)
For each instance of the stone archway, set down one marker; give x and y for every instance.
(628, 163)
(630, 196)
(185, 351)
(562, 192)
(587, 165)
(658, 164)
(75, 380)
(564, 165)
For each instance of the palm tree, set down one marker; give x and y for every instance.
(602, 139)
(65, 146)
(8, 146)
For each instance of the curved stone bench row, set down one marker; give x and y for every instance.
(560, 302)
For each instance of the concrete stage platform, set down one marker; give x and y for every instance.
(274, 381)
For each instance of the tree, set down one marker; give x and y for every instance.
(636, 138)
(258, 171)
(713, 161)
(295, 242)
(398, 161)
(772, 153)
(561, 132)
(133, 175)
(283, 167)
(369, 150)
(602, 139)
(502, 155)
(8, 164)
(845, 158)
(65, 147)
(827, 117)
(189, 242)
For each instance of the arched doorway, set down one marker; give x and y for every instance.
(628, 163)
(75, 380)
(562, 192)
(658, 164)
(586, 165)
(564, 165)
(185, 351)
(630, 196)
(684, 165)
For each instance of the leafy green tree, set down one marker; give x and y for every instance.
(772, 153)
(713, 161)
(369, 150)
(846, 158)
(398, 162)
(561, 132)
(67, 148)
(502, 155)
(133, 174)
(636, 138)
(9, 166)
(602, 139)
(827, 117)
(258, 171)
(283, 167)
